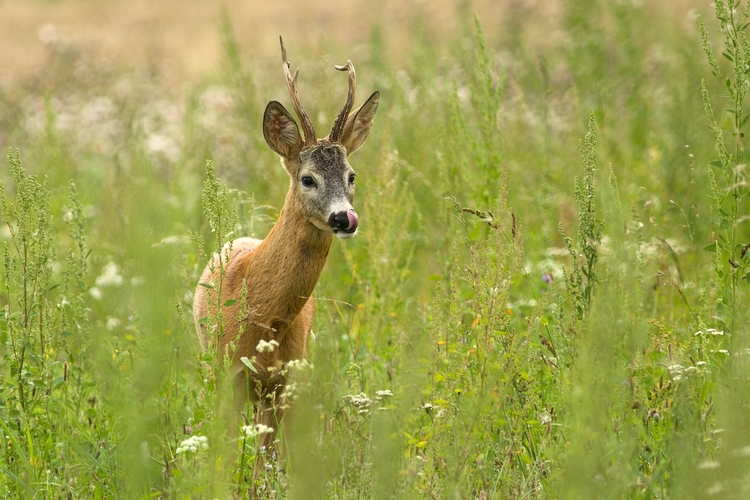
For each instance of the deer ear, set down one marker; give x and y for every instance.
(281, 132)
(359, 124)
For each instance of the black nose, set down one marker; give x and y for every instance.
(338, 220)
(344, 221)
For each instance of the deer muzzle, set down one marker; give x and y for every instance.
(344, 223)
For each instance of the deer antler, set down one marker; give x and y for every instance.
(338, 125)
(291, 83)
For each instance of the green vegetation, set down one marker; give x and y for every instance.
(465, 344)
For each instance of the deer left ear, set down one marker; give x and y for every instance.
(359, 124)
(281, 132)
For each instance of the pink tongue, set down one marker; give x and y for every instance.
(353, 219)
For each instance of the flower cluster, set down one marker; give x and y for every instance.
(362, 403)
(264, 346)
(193, 444)
(359, 401)
(677, 371)
(709, 331)
(299, 365)
(431, 409)
(113, 323)
(110, 276)
(252, 431)
(382, 395)
(291, 392)
(428, 407)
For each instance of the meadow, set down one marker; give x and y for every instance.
(547, 296)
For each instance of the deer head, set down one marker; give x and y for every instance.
(322, 181)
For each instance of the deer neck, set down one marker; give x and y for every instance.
(291, 259)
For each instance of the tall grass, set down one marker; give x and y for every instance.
(498, 329)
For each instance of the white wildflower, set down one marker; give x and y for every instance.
(380, 395)
(547, 266)
(299, 365)
(172, 240)
(215, 104)
(709, 465)
(164, 145)
(700, 363)
(360, 401)
(715, 489)
(545, 418)
(53, 38)
(97, 124)
(464, 94)
(49, 34)
(113, 323)
(110, 276)
(676, 371)
(256, 430)
(557, 251)
(291, 390)
(742, 452)
(264, 346)
(95, 292)
(193, 444)
(677, 246)
(522, 303)
(709, 331)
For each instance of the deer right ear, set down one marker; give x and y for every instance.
(359, 124)
(281, 132)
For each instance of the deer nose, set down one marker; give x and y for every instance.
(344, 221)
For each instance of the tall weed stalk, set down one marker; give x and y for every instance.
(581, 280)
(732, 256)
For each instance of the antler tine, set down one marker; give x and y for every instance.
(338, 125)
(291, 83)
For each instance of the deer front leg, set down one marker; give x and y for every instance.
(272, 411)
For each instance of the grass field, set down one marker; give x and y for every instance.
(547, 298)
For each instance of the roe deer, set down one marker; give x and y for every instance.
(280, 272)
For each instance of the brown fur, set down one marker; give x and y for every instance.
(281, 272)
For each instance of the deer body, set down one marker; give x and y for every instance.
(280, 272)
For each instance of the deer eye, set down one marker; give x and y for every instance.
(307, 181)
(351, 178)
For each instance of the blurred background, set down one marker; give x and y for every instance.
(546, 298)
(183, 39)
